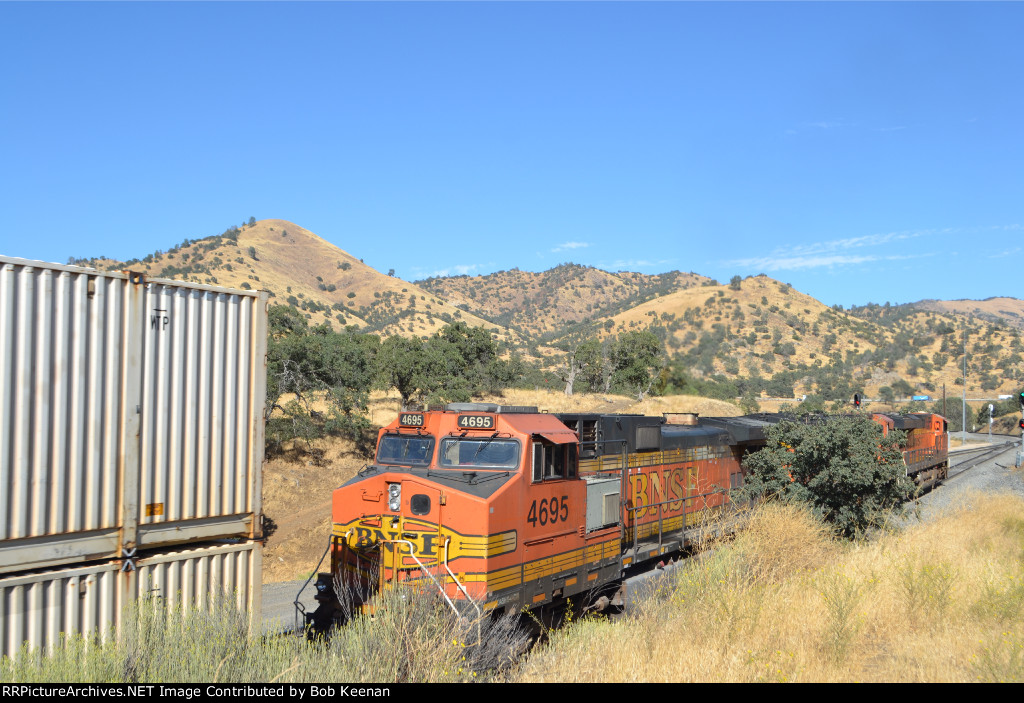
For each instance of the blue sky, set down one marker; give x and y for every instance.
(860, 151)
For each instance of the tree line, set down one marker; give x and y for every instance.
(320, 380)
(629, 363)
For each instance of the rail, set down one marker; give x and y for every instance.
(981, 455)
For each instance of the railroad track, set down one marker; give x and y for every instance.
(969, 458)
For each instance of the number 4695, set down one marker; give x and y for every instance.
(550, 510)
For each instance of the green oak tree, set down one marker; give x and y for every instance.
(844, 467)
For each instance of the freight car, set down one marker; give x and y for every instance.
(514, 509)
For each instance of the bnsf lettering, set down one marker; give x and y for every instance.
(424, 548)
(667, 488)
(638, 491)
(549, 511)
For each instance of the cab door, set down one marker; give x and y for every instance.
(554, 508)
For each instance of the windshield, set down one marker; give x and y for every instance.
(484, 452)
(407, 450)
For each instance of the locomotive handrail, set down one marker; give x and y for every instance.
(300, 608)
(636, 531)
(423, 568)
(433, 578)
(479, 613)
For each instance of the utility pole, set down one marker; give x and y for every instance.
(1020, 424)
(963, 434)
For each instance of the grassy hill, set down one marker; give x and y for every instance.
(539, 305)
(303, 270)
(1008, 310)
(753, 328)
(764, 327)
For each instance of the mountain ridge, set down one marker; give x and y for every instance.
(751, 327)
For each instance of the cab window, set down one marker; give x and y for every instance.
(405, 450)
(484, 452)
(554, 461)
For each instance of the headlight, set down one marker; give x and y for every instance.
(394, 497)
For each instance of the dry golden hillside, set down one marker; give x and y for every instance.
(302, 269)
(546, 302)
(765, 328)
(1009, 310)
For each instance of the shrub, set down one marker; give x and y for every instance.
(843, 467)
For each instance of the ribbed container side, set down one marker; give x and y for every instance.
(38, 609)
(201, 351)
(61, 400)
(131, 413)
(194, 577)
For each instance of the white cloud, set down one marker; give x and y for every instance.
(453, 270)
(790, 263)
(793, 263)
(570, 245)
(1016, 251)
(836, 252)
(868, 240)
(629, 264)
(827, 124)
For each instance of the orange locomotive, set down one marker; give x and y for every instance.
(926, 453)
(511, 508)
(516, 509)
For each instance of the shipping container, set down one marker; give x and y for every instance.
(131, 413)
(38, 607)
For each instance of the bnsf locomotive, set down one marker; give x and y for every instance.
(926, 452)
(506, 508)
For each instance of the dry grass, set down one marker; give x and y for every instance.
(413, 637)
(708, 407)
(943, 601)
(557, 402)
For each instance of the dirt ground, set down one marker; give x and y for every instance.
(297, 491)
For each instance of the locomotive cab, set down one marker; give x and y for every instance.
(457, 498)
